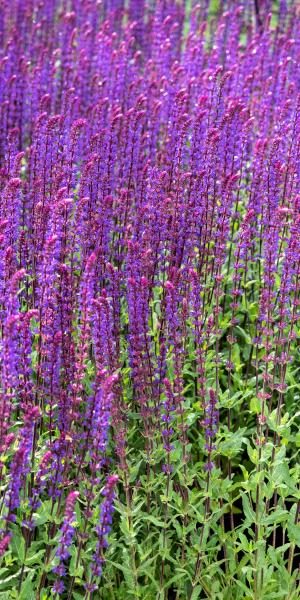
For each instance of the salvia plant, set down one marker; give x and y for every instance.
(149, 299)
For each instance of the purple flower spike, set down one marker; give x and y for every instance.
(105, 524)
(67, 533)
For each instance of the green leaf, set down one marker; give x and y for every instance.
(27, 592)
(255, 405)
(245, 336)
(73, 570)
(18, 546)
(235, 355)
(248, 511)
(252, 453)
(253, 311)
(36, 558)
(277, 516)
(44, 514)
(232, 445)
(196, 592)
(154, 520)
(9, 582)
(294, 533)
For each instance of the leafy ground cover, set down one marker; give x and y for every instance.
(149, 300)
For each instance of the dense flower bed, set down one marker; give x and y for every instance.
(149, 299)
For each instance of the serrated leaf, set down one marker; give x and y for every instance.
(277, 516)
(248, 511)
(154, 520)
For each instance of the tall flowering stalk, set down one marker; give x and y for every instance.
(10, 354)
(94, 443)
(102, 530)
(19, 468)
(66, 536)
